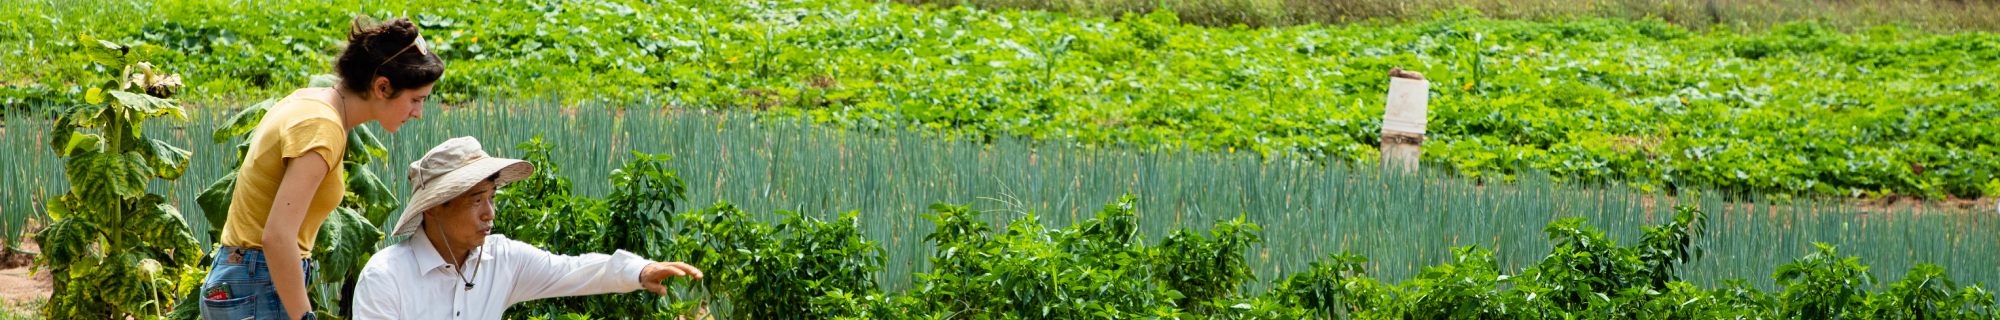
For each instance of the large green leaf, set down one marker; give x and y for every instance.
(376, 197)
(189, 307)
(80, 143)
(165, 231)
(93, 96)
(242, 122)
(135, 288)
(362, 139)
(149, 106)
(344, 240)
(61, 207)
(61, 133)
(132, 110)
(168, 162)
(87, 275)
(103, 52)
(66, 241)
(83, 115)
(108, 175)
(242, 148)
(214, 202)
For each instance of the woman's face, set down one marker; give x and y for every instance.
(402, 106)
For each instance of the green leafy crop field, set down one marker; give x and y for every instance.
(1798, 110)
(869, 159)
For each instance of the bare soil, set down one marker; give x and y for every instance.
(22, 293)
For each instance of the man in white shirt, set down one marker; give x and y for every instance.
(452, 267)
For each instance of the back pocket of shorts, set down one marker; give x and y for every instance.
(229, 309)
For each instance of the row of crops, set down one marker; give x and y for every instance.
(1800, 109)
(872, 160)
(806, 266)
(803, 264)
(1306, 209)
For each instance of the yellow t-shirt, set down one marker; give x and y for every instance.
(290, 129)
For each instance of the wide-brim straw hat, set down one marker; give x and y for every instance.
(447, 171)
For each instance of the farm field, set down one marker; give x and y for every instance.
(877, 160)
(1403, 223)
(1799, 109)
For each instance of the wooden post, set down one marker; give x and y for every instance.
(1403, 120)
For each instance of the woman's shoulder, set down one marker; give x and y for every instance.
(313, 96)
(305, 104)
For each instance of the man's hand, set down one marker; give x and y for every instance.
(656, 272)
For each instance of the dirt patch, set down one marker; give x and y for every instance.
(15, 258)
(1894, 203)
(22, 255)
(22, 293)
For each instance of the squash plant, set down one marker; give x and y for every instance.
(114, 250)
(348, 236)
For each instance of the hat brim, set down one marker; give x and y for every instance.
(455, 183)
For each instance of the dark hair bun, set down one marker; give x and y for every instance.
(387, 49)
(392, 34)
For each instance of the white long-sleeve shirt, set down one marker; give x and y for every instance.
(409, 280)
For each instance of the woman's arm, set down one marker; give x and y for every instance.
(281, 230)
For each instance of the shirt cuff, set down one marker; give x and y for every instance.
(633, 266)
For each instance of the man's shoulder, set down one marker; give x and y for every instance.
(500, 244)
(385, 259)
(501, 239)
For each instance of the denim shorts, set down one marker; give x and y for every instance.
(246, 277)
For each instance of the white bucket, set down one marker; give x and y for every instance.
(1406, 108)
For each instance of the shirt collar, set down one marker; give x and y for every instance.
(427, 256)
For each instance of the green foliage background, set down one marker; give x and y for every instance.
(1277, 119)
(1800, 109)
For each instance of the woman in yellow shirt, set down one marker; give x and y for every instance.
(291, 178)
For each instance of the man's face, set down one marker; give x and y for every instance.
(464, 221)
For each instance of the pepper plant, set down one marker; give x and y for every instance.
(542, 211)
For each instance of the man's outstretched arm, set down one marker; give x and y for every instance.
(542, 274)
